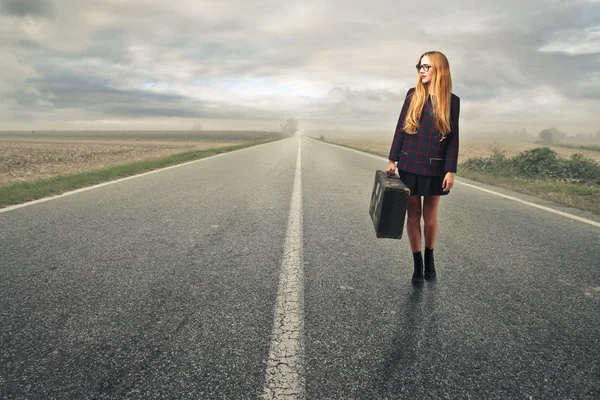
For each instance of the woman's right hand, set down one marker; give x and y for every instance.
(391, 167)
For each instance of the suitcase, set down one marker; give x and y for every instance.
(388, 205)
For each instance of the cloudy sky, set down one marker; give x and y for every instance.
(332, 64)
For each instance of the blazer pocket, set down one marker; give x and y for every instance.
(431, 159)
(403, 152)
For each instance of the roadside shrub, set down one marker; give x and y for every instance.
(497, 162)
(580, 169)
(538, 163)
(498, 159)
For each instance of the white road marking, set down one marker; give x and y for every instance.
(285, 367)
(30, 203)
(564, 214)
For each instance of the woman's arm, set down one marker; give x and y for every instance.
(452, 145)
(399, 134)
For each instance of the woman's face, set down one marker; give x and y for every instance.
(425, 74)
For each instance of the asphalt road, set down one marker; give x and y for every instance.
(166, 285)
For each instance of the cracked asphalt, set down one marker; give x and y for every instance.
(165, 286)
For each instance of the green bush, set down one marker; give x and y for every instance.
(579, 168)
(538, 163)
(497, 162)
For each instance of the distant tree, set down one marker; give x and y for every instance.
(546, 136)
(552, 135)
(197, 127)
(290, 126)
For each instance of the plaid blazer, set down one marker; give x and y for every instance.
(423, 153)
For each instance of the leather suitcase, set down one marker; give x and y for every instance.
(388, 205)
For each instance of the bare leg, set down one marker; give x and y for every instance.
(413, 223)
(430, 209)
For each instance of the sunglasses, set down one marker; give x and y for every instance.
(426, 67)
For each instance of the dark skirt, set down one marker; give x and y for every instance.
(422, 185)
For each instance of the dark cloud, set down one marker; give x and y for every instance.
(24, 8)
(96, 97)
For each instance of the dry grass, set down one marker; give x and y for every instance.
(26, 160)
(483, 148)
(468, 148)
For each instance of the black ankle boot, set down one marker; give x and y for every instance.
(417, 277)
(429, 264)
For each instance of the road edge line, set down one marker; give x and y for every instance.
(84, 189)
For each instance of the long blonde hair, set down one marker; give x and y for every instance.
(440, 87)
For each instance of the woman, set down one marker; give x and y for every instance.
(425, 146)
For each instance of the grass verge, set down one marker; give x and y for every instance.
(27, 191)
(582, 197)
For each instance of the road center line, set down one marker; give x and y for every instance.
(285, 367)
